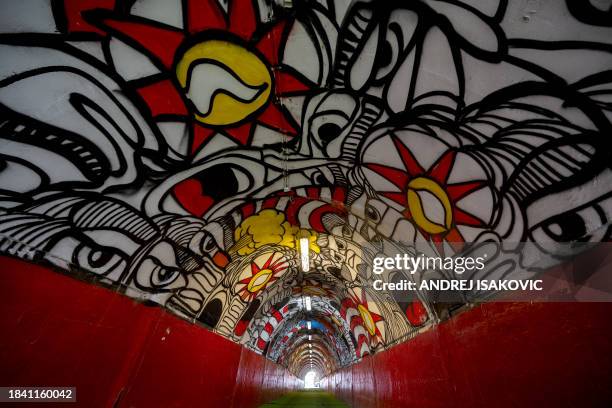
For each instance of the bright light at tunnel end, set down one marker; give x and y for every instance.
(310, 379)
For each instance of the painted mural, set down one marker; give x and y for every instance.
(175, 149)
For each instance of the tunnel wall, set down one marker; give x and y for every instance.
(495, 355)
(58, 331)
(63, 332)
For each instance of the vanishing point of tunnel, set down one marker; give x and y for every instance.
(306, 203)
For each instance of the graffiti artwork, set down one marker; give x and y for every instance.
(174, 150)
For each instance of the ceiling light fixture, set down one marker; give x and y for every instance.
(304, 255)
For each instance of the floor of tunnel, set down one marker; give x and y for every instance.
(306, 399)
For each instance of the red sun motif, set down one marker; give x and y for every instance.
(261, 276)
(413, 180)
(220, 74)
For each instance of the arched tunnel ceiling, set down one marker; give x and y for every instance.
(177, 150)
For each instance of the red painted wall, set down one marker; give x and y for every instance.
(57, 331)
(496, 355)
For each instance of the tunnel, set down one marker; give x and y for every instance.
(306, 203)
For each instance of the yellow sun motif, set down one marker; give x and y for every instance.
(368, 320)
(248, 78)
(415, 206)
(261, 275)
(260, 280)
(415, 182)
(314, 291)
(219, 74)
